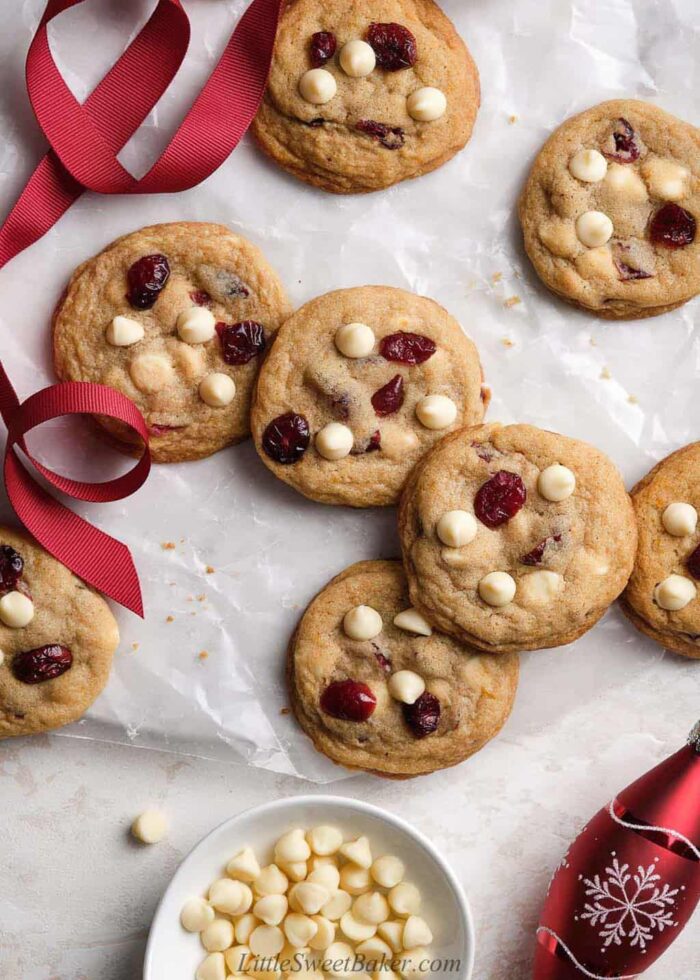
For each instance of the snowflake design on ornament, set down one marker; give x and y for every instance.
(629, 906)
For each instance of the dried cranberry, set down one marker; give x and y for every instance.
(672, 227)
(241, 342)
(389, 399)
(634, 259)
(163, 430)
(11, 568)
(340, 406)
(323, 47)
(482, 451)
(623, 144)
(693, 563)
(500, 499)
(348, 701)
(42, 664)
(423, 717)
(407, 348)
(535, 556)
(146, 278)
(391, 137)
(394, 46)
(375, 443)
(287, 438)
(200, 297)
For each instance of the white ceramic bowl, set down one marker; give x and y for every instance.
(176, 954)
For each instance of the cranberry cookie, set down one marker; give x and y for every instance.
(663, 595)
(375, 688)
(177, 317)
(364, 95)
(610, 211)
(515, 538)
(57, 638)
(357, 386)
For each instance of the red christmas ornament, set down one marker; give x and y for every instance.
(630, 882)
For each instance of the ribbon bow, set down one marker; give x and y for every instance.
(85, 139)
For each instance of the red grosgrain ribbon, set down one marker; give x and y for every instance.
(84, 140)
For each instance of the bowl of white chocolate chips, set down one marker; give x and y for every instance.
(310, 888)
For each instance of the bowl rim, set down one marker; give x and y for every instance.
(323, 800)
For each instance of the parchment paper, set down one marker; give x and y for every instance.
(631, 389)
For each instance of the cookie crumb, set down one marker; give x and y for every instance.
(285, 711)
(633, 400)
(202, 655)
(168, 545)
(496, 277)
(512, 301)
(594, 342)
(210, 569)
(134, 646)
(512, 119)
(201, 598)
(507, 342)
(169, 619)
(605, 374)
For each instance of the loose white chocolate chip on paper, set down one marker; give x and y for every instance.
(357, 59)
(426, 104)
(497, 589)
(680, 519)
(317, 86)
(589, 166)
(593, 228)
(355, 340)
(675, 592)
(556, 483)
(16, 610)
(196, 325)
(334, 441)
(406, 686)
(456, 528)
(362, 623)
(150, 827)
(411, 621)
(123, 332)
(217, 390)
(436, 412)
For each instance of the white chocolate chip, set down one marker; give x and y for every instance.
(123, 332)
(243, 866)
(196, 325)
(271, 881)
(338, 904)
(665, 179)
(355, 340)
(436, 412)
(358, 851)
(16, 610)
(324, 840)
(357, 59)
(271, 909)
(675, 592)
(497, 589)
(217, 936)
(411, 621)
(680, 519)
(299, 929)
(328, 877)
(404, 899)
(456, 528)
(317, 86)
(295, 871)
(375, 950)
(594, 228)
(426, 104)
(406, 686)
(416, 932)
(355, 930)
(556, 483)
(541, 587)
(150, 827)
(362, 623)
(244, 927)
(196, 915)
(334, 441)
(325, 933)
(212, 968)
(266, 941)
(340, 959)
(589, 166)
(415, 963)
(217, 390)
(372, 907)
(392, 933)
(151, 372)
(388, 871)
(292, 847)
(238, 958)
(308, 897)
(397, 442)
(625, 183)
(323, 860)
(227, 896)
(353, 879)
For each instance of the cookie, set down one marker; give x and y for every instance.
(57, 638)
(359, 383)
(362, 96)
(376, 689)
(177, 317)
(610, 211)
(515, 538)
(663, 595)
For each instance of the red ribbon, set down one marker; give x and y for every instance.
(85, 139)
